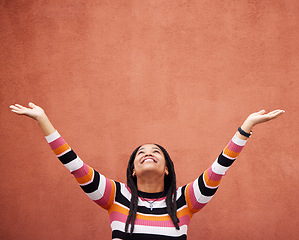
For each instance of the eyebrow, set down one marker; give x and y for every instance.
(152, 148)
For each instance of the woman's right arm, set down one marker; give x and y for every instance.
(100, 189)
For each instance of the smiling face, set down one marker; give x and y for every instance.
(149, 159)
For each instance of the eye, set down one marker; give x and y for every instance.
(140, 152)
(156, 151)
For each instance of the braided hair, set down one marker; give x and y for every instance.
(169, 188)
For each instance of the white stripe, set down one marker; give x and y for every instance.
(102, 185)
(97, 194)
(218, 169)
(165, 231)
(125, 192)
(178, 193)
(52, 137)
(238, 141)
(74, 165)
(156, 204)
(198, 195)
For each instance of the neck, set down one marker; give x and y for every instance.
(150, 185)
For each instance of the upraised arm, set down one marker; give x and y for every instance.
(201, 191)
(100, 189)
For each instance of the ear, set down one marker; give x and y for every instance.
(166, 171)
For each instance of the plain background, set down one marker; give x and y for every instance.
(112, 75)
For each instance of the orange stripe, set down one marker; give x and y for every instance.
(111, 198)
(122, 210)
(189, 204)
(61, 149)
(85, 178)
(183, 212)
(209, 182)
(230, 153)
(117, 208)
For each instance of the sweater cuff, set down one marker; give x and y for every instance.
(239, 141)
(52, 137)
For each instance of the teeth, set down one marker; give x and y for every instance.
(149, 160)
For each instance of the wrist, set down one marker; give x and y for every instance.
(41, 118)
(247, 126)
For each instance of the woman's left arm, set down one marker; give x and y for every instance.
(201, 191)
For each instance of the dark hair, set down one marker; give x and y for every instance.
(169, 188)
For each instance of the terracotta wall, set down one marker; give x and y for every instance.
(112, 75)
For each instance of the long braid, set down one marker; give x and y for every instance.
(169, 187)
(170, 184)
(132, 184)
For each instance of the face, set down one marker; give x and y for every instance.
(149, 159)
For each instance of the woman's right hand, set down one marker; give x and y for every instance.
(34, 111)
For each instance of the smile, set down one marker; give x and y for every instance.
(148, 159)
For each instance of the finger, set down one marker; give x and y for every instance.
(32, 105)
(14, 107)
(258, 113)
(261, 112)
(275, 112)
(15, 111)
(20, 106)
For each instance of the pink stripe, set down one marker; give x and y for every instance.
(234, 147)
(116, 216)
(199, 206)
(192, 195)
(57, 143)
(150, 199)
(213, 176)
(81, 172)
(195, 204)
(105, 199)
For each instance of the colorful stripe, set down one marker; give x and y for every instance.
(115, 197)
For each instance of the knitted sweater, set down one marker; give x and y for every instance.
(150, 224)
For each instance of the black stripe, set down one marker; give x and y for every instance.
(203, 189)
(143, 236)
(224, 161)
(68, 157)
(121, 198)
(94, 185)
(182, 200)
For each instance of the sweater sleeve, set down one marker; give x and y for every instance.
(201, 191)
(98, 188)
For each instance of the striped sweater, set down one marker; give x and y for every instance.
(153, 223)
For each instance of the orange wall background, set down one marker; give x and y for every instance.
(112, 75)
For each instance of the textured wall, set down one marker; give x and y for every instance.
(115, 74)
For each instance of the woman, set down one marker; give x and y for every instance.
(149, 206)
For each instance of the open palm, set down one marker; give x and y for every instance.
(33, 111)
(260, 117)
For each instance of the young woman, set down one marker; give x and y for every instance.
(149, 206)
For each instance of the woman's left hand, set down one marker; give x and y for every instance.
(260, 117)
(257, 118)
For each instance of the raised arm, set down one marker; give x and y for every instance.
(201, 191)
(100, 189)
